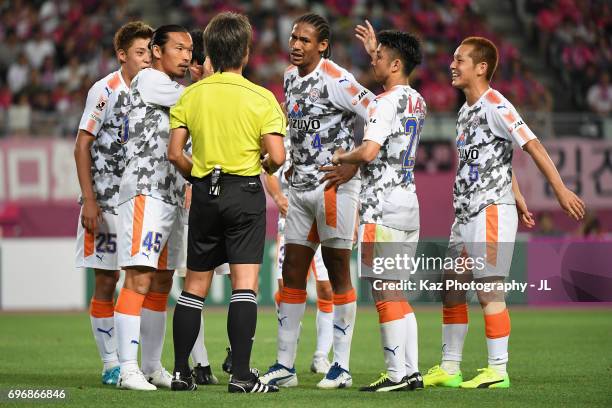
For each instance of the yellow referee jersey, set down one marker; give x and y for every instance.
(226, 115)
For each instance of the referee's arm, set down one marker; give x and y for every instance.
(176, 155)
(274, 150)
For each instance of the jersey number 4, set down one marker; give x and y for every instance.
(316, 142)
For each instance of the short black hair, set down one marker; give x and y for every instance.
(227, 39)
(321, 25)
(160, 35)
(198, 55)
(406, 46)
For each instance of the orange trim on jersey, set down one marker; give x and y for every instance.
(114, 82)
(455, 314)
(492, 231)
(353, 90)
(344, 298)
(88, 244)
(155, 301)
(290, 68)
(91, 126)
(313, 234)
(325, 306)
(369, 233)
(368, 241)
(493, 97)
(162, 263)
(101, 308)
(331, 216)
(330, 69)
(509, 118)
(497, 325)
(523, 134)
(129, 302)
(293, 296)
(389, 311)
(365, 102)
(406, 307)
(137, 223)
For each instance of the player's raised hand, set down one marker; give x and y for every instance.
(91, 215)
(367, 36)
(523, 212)
(571, 203)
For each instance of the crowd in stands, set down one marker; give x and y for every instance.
(51, 51)
(575, 36)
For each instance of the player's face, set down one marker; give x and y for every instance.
(304, 48)
(463, 69)
(381, 65)
(137, 56)
(176, 54)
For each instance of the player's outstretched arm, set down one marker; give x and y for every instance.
(521, 206)
(91, 215)
(569, 202)
(176, 155)
(363, 154)
(365, 34)
(272, 186)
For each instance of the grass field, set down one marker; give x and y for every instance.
(557, 358)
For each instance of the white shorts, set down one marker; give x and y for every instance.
(488, 238)
(317, 267)
(378, 243)
(150, 233)
(319, 216)
(98, 250)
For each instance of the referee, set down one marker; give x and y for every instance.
(232, 122)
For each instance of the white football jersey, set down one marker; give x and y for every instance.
(321, 108)
(148, 171)
(485, 132)
(105, 117)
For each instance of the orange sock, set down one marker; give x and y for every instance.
(289, 295)
(455, 314)
(101, 308)
(156, 301)
(389, 311)
(326, 306)
(129, 302)
(497, 325)
(344, 298)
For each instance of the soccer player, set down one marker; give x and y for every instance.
(231, 122)
(389, 213)
(100, 159)
(322, 100)
(151, 197)
(277, 185)
(487, 205)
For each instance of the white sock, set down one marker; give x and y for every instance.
(152, 334)
(199, 355)
(453, 337)
(128, 339)
(393, 336)
(104, 333)
(498, 353)
(412, 344)
(344, 323)
(289, 319)
(325, 332)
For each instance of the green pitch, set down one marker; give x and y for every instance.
(557, 358)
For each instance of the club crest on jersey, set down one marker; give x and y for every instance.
(461, 140)
(474, 122)
(296, 112)
(101, 103)
(314, 94)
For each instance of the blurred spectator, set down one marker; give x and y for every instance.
(599, 96)
(547, 225)
(72, 74)
(18, 73)
(38, 48)
(9, 50)
(20, 116)
(439, 95)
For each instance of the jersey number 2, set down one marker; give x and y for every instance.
(412, 128)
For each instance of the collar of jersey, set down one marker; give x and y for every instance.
(314, 71)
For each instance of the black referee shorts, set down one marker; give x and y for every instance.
(230, 227)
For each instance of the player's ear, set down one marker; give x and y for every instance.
(323, 46)
(122, 56)
(396, 65)
(481, 68)
(156, 51)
